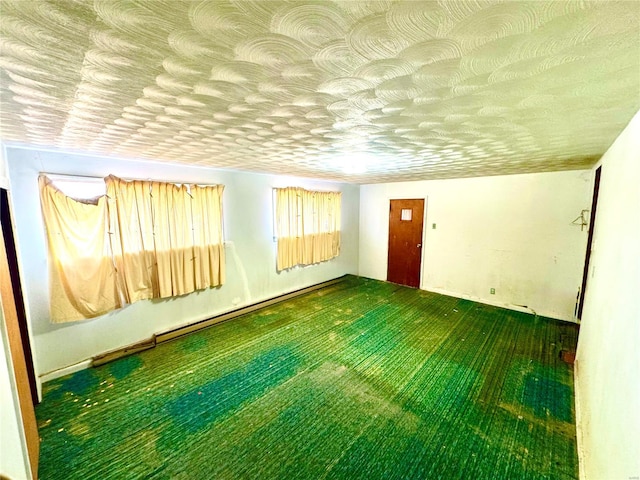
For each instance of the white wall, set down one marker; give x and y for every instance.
(512, 233)
(608, 358)
(251, 260)
(13, 451)
(4, 173)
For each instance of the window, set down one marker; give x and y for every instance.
(307, 226)
(84, 189)
(141, 240)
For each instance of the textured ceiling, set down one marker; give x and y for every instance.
(362, 91)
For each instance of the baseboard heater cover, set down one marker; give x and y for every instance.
(194, 327)
(123, 352)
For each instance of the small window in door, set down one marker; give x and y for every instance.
(406, 214)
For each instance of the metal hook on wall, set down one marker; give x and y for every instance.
(581, 220)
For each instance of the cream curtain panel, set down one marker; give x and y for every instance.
(173, 231)
(133, 246)
(307, 226)
(82, 276)
(208, 250)
(160, 240)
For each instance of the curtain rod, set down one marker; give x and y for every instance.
(68, 176)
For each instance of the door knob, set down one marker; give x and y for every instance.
(419, 245)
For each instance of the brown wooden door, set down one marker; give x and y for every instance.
(405, 242)
(10, 315)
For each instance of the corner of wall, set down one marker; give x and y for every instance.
(357, 223)
(4, 170)
(579, 421)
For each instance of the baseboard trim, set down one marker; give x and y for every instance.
(123, 352)
(508, 306)
(61, 372)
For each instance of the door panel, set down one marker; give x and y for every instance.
(405, 241)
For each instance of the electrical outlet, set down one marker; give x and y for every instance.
(493, 291)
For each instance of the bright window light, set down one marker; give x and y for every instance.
(79, 188)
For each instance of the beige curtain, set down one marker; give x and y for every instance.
(173, 232)
(289, 227)
(81, 271)
(209, 259)
(307, 226)
(131, 228)
(170, 237)
(157, 240)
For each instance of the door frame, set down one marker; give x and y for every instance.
(592, 222)
(423, 237)
(19, 364)
(8, 234)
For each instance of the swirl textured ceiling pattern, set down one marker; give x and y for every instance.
(362, 91)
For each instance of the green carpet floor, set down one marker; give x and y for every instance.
(363, 379)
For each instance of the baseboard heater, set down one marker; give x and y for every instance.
(123, 352)
(194, 327)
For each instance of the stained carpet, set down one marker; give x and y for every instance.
(363, 379)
